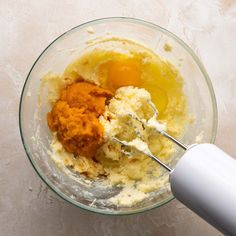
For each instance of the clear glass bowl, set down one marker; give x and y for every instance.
(67, 47)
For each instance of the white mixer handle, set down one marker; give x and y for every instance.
(204, 180)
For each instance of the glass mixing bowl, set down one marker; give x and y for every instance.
(69, 46)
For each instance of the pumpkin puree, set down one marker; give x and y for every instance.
(74, 117)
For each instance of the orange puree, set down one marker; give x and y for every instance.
(75, 117)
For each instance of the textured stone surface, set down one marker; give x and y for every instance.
(27, 206)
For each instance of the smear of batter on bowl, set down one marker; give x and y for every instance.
(168, 47)
(125, 76)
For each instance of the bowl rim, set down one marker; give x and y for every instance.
(95, 22)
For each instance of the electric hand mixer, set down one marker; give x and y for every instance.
(204, 179)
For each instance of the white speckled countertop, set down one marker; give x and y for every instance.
(27, 206)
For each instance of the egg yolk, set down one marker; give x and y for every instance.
(123, 73)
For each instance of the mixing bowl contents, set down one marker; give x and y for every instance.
(100, 96)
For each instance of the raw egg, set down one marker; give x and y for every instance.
(123, 73)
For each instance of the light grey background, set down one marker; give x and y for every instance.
(27, 206)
